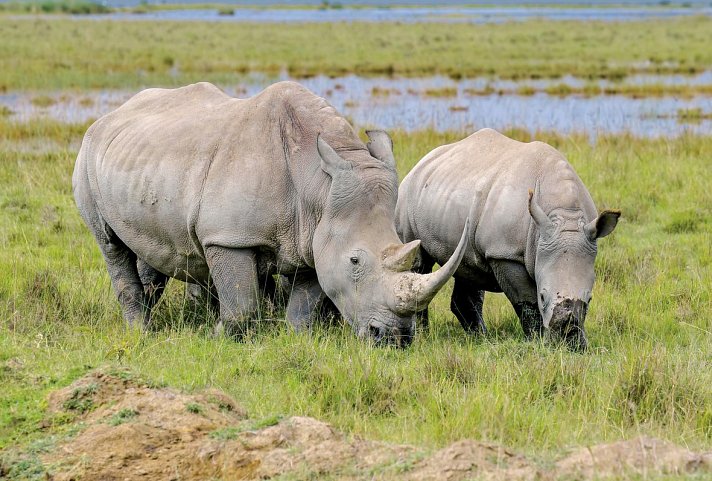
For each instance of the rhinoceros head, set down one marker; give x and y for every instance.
(565, 254)
(361, 264)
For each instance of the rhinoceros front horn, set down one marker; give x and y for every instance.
(415, 291)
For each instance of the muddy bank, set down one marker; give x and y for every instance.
(122, 428)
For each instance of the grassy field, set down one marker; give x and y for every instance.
(650, 324)
(84, 54)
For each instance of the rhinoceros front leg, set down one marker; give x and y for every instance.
(304, 301)
(520, 289)
(423, 265)
(234, 274)
(466, 303)
(529, 315)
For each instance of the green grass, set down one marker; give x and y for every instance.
(125, 54)
(693, 115)
(74, 7)
(441, 92)
(194, 408)
(71, 6)
(591, 89)
(231, 432)
(123, 416)
(43, 101)
(650, 324)
(79, 7)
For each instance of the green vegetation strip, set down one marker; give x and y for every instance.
(650, 323)
(592, 89)
(72, 7)
(116, 54)
(79, 7)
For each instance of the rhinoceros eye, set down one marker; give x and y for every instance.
(354, 260)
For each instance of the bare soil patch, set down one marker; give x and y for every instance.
(127, 429)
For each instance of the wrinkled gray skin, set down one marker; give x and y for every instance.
(533, 234)
(193, 184)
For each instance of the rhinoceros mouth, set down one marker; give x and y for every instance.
(397, 333)
(567, 322)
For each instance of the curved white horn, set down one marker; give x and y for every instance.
(415, 291)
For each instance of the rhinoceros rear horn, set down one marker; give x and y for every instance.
(400, 258)
(537, 213)
(380, 146)
(331, 162)
(415, 291)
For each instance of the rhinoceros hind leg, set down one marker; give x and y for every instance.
(466, 303)
(154, 283)
(120, 260)
(234, 273)
(121, 264)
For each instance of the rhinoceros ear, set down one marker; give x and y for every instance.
(400, 258)
(331, 162)
(380, 146)
(602, 225)
(537, 213)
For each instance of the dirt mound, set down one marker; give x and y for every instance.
(465, 459)
(639, 455)
(130, 430)
(136, 431)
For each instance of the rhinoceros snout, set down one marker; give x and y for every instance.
(567, 323)
(385, 335)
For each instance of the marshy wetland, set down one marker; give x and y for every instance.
(566, 105)
(628, 103)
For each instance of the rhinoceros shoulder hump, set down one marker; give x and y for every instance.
(302, 115)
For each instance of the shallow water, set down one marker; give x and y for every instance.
(452, 14)
(402, 103)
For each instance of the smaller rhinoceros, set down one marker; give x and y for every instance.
(533, 229)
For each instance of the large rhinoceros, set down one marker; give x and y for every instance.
(534, 229)
(193, 184)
